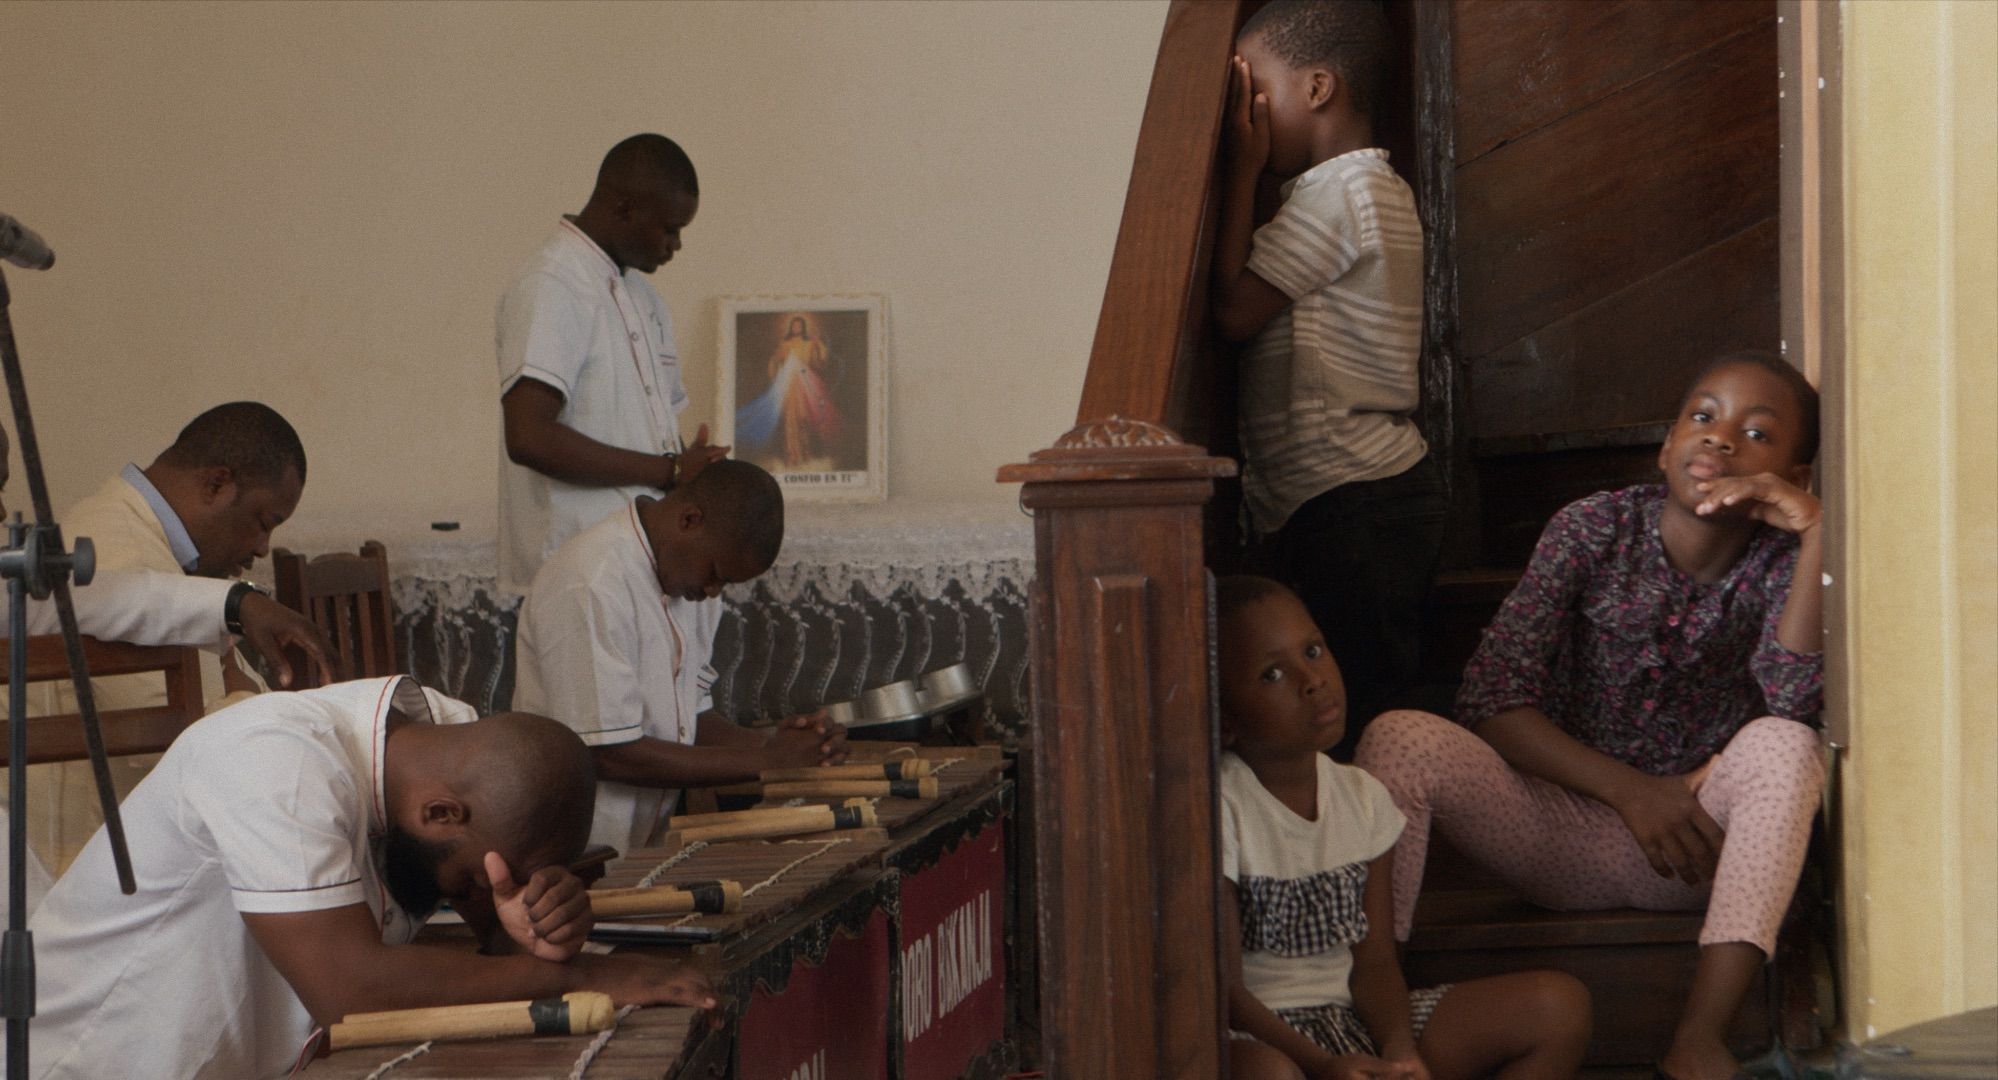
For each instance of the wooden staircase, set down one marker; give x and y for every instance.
(1638, 965)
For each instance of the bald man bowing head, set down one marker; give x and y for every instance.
(288, 848)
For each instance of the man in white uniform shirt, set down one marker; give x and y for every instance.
(288, 848)
(616, 636)
(590, 386)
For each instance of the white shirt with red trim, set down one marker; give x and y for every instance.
(274, 804)
(603, 650)
(605, 340)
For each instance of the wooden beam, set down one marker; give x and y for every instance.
(1154, 302)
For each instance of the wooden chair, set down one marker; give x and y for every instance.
(126, 731)
(348, 597)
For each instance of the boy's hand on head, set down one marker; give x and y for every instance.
(1248, 126)
(1672, 829)
(697, 456)
(548, 916)
(1765, 497)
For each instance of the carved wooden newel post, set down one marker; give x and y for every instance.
(1124, 754)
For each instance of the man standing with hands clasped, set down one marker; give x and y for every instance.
(590, 385)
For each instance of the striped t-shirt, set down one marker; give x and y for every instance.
(1328, 385)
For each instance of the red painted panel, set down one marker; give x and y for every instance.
(830, 1022)
(953, 960)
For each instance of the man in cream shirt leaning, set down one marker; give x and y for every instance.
(148, 607)
(206, 506)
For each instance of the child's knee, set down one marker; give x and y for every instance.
(1558, 1006)
(1782, 747)
(1404, 735)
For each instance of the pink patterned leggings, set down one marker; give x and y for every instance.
(1569, 852)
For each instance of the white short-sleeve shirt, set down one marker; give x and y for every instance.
(1329, 384)
(274, 804)
(603, 650)
(1300, 883)
(603, 338)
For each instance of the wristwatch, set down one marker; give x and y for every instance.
(232, 607)
(674, 459)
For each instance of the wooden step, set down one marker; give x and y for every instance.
(1638, 965)
(1461, 604)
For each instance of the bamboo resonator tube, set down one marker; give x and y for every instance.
(575, 1013)
(683, 822)
(783, 821)
(925, 788)
(704, 897)
(900, 769)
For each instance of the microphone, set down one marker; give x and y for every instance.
(19, 245)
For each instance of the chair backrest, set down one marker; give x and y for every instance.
(126, 731)
(346, 596)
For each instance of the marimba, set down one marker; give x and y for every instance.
(861, 953)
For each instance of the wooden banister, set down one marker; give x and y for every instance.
(1123, 754)
(1121, 761)
(1146, 363)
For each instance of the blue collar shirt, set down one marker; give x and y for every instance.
(182, 545)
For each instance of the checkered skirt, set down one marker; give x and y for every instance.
(1337, 1028)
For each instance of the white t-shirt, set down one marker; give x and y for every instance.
(271, 805)
(604, 651)
(1328, 385)
(605, 340)
(1301, 883)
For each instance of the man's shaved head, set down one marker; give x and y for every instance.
(745, 502)
(532, 786)
(646, 165)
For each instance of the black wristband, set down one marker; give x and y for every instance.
(232, 608)
(675, 459)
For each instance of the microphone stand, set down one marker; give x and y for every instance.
(35, 563)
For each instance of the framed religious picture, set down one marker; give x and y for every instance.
(804, 392)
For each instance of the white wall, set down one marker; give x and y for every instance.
(317, 205)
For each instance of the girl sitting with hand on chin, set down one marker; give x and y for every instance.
(1635, 724)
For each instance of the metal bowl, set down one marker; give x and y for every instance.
(947, 687)
(893, 712)
(906, 729)
(895, 701)
(843, 713)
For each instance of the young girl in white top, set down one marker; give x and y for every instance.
(1314, 985)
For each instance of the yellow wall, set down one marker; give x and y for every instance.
(1920, 499)
(318, 205)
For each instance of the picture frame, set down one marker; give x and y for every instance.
(803, 392)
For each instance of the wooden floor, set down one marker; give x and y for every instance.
(1819, 1064)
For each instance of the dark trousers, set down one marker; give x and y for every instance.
(1362, 557)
